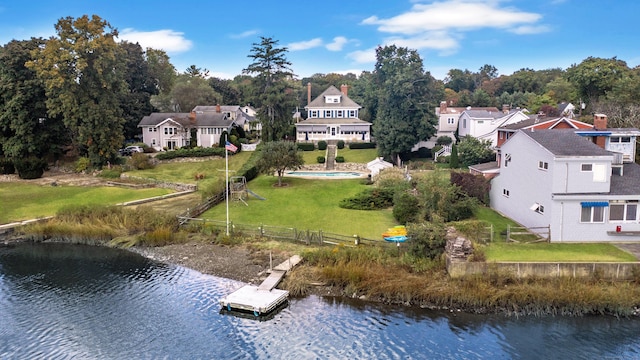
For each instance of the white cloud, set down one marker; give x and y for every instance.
(305, 45)
(245, 34)
(338, 43)
(167, 40)
(528, 29)
(439, 25)
(363, 56)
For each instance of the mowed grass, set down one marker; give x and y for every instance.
(306, 204)
(500, 250)
(20, 201)
(350, 156)
(184, 172)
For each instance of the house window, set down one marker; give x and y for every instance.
(543, 165)
(505, 192)
(620, 139)
(599, 173)
(623, 211)
(451, 121)
(352, 113)
(480, 121)
(592, 214)
(464, 123)
(507, 159)
(339, 113)
(327, 113)
(501, 135)
(537, 208)
(586, 167)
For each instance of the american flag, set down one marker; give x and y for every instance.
(229, 146)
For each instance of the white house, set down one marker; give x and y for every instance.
(484, 124)
(563, 180)
(332, 116)
(174, 130)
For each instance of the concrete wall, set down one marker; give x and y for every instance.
(609, 271)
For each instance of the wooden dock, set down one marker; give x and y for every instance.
(264, 298)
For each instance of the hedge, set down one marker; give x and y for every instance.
(368, 145)
(194, 152)
(306, 146)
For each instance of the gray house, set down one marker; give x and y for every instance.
(564, 180)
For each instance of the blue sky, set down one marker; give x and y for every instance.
(341, 35)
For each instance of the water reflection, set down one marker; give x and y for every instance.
(70, 301)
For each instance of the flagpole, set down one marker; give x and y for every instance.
(226, 194)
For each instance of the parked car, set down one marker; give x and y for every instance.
(129, 150)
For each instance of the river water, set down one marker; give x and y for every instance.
(60, 301)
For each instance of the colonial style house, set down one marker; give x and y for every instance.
(484, 124)
(448, 117)
(174, 130)
(581, 184)
(332, 116)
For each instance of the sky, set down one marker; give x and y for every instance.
(340, 36)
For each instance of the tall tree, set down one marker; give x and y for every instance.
(406, 95)
(594, 77)
(191, 91)
(164, 75)
(229, 95)
(276, 99)
(136, 100)
(84, 79)
(25, 129)
(195, 71)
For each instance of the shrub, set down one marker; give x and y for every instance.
(194, 152)
(82, 165)
(111, 173)
(140, 161)
(405, 208)
(475, 186)
(340, 144)
(362, 145)
(322, 145)
(30, 168)
(427, 239)
(369, 199)
(444, 140)
(7, 167)
(321, 159)
(306, 146)
(423, 153)
(339, 159)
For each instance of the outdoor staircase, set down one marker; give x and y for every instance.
(330, 163)
(445, 151)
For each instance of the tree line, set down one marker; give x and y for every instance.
(83, 92)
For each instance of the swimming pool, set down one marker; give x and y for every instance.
(327, 174)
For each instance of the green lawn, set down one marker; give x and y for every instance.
(19, 201)
(351, 156)
(500, 250)
(184, 172)
(306, 204)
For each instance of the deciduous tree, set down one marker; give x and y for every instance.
(472, 150)
(278, 156)
(84, 79)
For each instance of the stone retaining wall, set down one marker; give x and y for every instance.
(164, 184)
(337, 167)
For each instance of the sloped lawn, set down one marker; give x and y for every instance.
(306, 204)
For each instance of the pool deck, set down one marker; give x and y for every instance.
(310, 174)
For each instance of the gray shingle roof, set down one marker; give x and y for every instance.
(628, 183)
(202, 119)
(484, 114)
(565, 142)
(225, 108)
(345, 101)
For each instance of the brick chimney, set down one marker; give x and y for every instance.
(344, 89)
(505, 108)
(599, 121)
(308, 93)
(443, 107)
(217, 108)
(192, 117)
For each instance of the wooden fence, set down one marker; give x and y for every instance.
(309, 237)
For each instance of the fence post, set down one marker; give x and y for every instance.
(508, 233)
(320, 237)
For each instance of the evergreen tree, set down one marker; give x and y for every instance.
(454, 162)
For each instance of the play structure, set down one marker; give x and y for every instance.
(238, 190)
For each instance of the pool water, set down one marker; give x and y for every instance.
(327, 174)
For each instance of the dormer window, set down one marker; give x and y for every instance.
(332, 99)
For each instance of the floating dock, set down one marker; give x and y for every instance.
(262, 299)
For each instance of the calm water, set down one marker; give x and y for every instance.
(67, 301)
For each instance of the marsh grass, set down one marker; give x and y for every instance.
(93, 224)
(378, 274)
